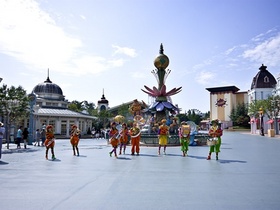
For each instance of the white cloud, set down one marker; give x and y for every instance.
(204, 77)
(125, 50)
(267, 51)
(31, 36)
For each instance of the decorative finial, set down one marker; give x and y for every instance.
(48, 78)
(161, 49)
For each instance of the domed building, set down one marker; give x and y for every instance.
(262, 85)
(51, 108)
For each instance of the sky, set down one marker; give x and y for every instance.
(93, 47)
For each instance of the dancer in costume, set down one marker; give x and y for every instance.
(184, 135)
(135, 134)
(163, 133)
(123, 138)
(49, 142)
(215, 132)
(113, 139)
(74, 139)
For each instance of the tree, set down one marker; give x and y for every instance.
(239, 115)
(78, 106)
(14, 103)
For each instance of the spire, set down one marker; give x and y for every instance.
(263, 67)
(103, 97)
(48, 78)
(161, 49)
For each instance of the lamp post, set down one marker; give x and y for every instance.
(32, 101)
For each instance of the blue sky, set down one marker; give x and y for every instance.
(91, 45)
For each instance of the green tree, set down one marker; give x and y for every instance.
(14, 103)
(239, 115)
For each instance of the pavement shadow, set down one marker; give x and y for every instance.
(81, 156)
(147, 155)
(175, 155)
(232, 161)
(10, 151)
(197, 157)
(55, 160)
(3, 162)
(123, 158)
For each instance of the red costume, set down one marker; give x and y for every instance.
(123, 138)
(49, 143)
(74, 139)
(113, 139)
(135, 139)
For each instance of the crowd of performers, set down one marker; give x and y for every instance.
(119, 137)
(120, 133)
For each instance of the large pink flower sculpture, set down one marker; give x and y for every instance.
(155, 92)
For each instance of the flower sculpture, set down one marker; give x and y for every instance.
(161, 104)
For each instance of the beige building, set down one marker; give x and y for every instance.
(223, 100)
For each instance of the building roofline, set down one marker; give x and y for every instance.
(233, 89)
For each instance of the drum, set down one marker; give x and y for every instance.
(212, 141)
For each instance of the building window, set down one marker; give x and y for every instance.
(266, 79)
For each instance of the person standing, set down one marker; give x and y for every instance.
(38, 137)
(184, 135)
(163, 133)
(123, 138)
(49, 143)
(135, 134)
(43, 135)
(215, 132)
(25, 137)
(2, 132)
(19, 137)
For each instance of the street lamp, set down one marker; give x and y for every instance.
(32, 101)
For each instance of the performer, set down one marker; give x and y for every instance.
(113, 139)
(135, 134)
(215, 132)
(184, 135)
(163, 133)
(49, 142)
(74, 139)
(123, 138)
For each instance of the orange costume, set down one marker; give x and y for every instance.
(49, 143)
(74, 139)
(113, 139)
(163, 133)
(123, 138)
(135, 139)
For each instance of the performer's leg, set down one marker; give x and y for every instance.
(74, 152)
(164, 149)
(209, 156)
(52, 150)
(132, 146)
(138, 146)
(78, 154)
(217, 156)
(159, 147)
(47, 151)
(124, 147)
(121, 149)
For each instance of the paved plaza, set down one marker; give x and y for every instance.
(246, 176)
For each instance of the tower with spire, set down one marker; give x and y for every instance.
(103, 103)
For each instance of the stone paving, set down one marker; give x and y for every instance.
(246, 176)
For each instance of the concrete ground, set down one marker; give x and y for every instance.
(245, 177)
